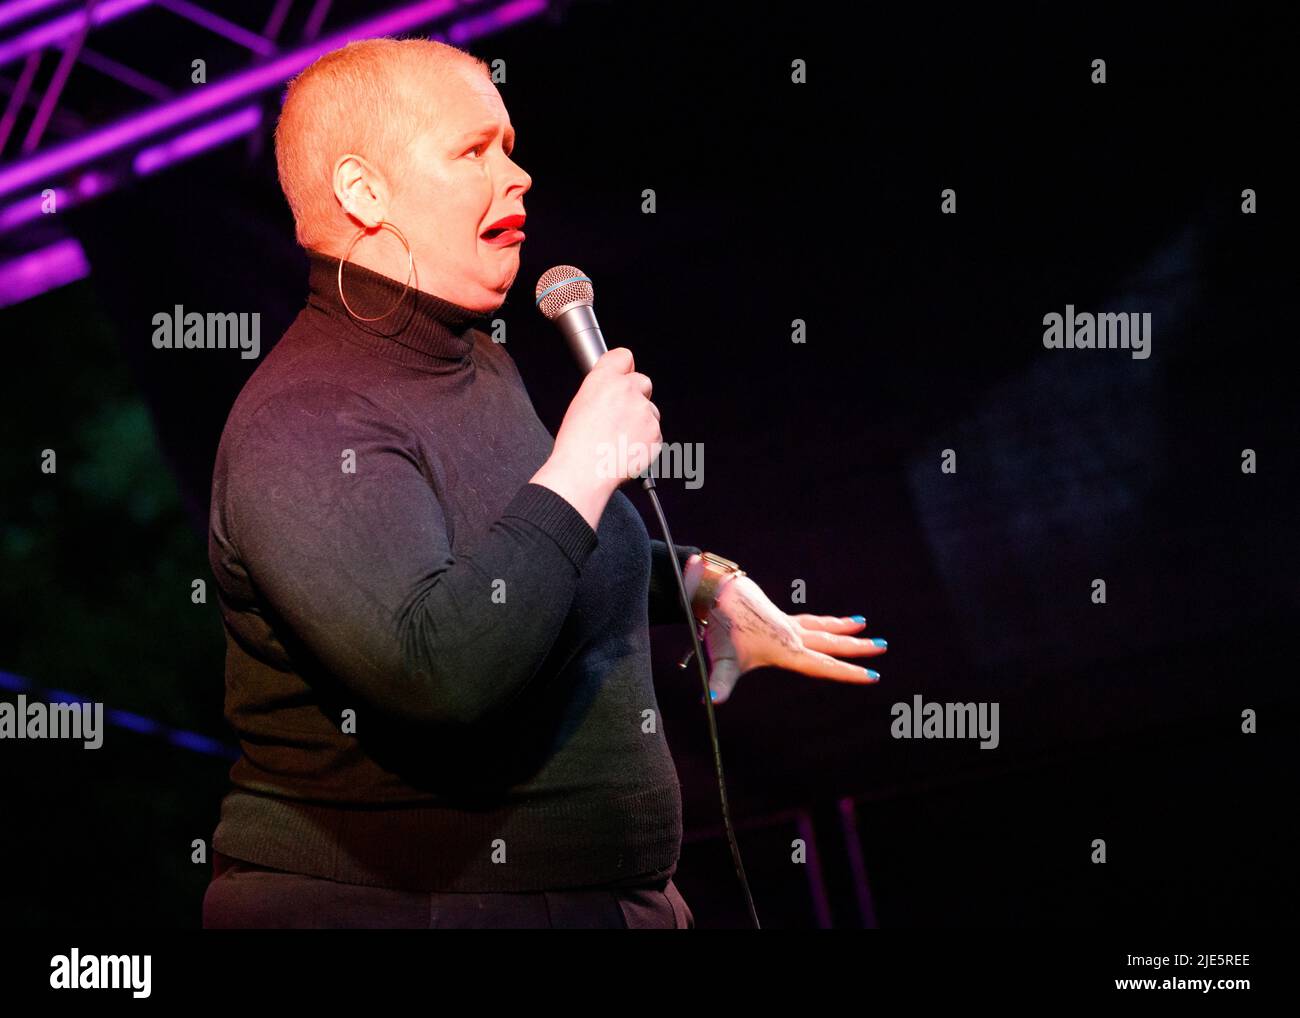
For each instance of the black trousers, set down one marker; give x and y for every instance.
(246, 896)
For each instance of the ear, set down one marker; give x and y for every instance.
(361, 189)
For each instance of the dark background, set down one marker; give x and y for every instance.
(1118, 721)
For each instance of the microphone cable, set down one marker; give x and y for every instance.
(648, 483)
(566, 298)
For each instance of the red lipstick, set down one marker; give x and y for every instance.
(505, 231)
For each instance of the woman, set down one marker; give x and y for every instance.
(437, 613)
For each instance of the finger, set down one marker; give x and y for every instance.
(723, 678)
(822, 666)
(656, 412)
(642, 383)
(619, 359)
(843, 646)
(832, 623)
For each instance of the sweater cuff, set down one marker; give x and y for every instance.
(553, 514)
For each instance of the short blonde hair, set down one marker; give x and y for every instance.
(367, 97)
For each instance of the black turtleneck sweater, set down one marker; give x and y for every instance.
(439, 673)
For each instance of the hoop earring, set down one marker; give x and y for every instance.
(410, 271)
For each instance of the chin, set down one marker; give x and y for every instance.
(491, 300)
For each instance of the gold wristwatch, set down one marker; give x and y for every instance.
(717, 571)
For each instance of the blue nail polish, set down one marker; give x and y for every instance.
(857, 618)
(713, 695)
(872, 674)
(880, 641)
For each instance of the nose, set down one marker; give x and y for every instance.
(518, 179)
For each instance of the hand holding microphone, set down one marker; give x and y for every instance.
(610, 432)
(611, 412)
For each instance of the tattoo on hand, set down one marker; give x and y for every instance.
(748, 619)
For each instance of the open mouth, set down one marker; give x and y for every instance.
(505, 231)
(503, 238)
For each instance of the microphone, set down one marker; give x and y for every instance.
(565, 296)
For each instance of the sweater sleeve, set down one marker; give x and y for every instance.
(665, 601)
(345, 540)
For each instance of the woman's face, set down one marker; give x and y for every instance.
(462, 182)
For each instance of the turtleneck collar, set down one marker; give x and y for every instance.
(423, 330)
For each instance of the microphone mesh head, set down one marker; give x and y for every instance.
(562, 287)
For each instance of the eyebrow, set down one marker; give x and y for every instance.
(487, 130)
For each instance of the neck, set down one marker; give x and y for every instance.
(388, 255)
(411, 325)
